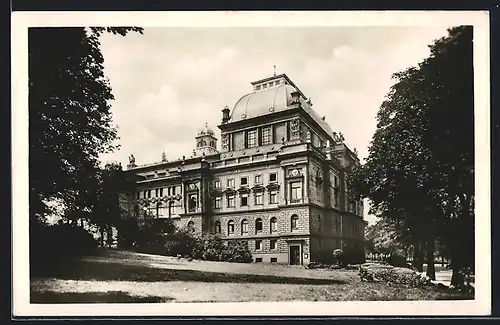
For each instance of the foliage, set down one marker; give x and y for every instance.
(419, 174)
(397, 260)
(154, 235)
(237, 252)
(50, 243)
(70, 122)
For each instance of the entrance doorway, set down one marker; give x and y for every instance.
(294, 255)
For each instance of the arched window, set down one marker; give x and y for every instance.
(204, 143)
(217, 227)
(294, 222)
(244, 227)
(212, 144)
(191, 226)
(274, 225)
(230, 227)
(258, 225)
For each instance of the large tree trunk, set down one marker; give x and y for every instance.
(431, 270)
(418, 260)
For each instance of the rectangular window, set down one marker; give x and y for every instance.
(217, 202)
(273, 197)
(258, 245)
(274, 260)
(258, 260)
(244, 181)
(171, 210)
(161, 192)
(230, 201)
(296, 191)
(230, 183)
(244, 227)
(272, 244)
(266, 136)
(156, 192)
(244, 200)
(169, 191)
(173, 190)
(217, 184)
(258, 198)
(258, 87)
(258, 179)
(252, 139)
(272, 177)
(149, 193)
(230, 228)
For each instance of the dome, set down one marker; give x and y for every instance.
(206, 130)
(272, 100)
(262, 102)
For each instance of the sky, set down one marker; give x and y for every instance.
(170, 81)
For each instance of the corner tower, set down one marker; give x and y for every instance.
(206, 142)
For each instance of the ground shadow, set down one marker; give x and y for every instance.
(86, 270)
(50, 297)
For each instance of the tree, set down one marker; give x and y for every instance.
(70, 122)
(420, 168)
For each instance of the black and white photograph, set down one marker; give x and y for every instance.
(251, 163)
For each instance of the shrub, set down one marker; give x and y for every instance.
(54, 244)
(391, 274)
(237, 251)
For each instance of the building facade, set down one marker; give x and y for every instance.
(278, 181)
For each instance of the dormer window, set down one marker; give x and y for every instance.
(264, 86)
(257, 87)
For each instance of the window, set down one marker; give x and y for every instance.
(258, 198)
(217, 227)
(258, 87)
(230, 227)
(272, 244)
(264, 86)
(156, 192)
(274, 260)
(161, 191)
(230, 201)
(272, 177)
(244, 227)
(294, 222)
(258, 225)
(171, 209)
(244, 181)
(217, 184)
(296, 191)
(258, 245)
(273, 196)
(252, 139)
(191, 226)
(274, 225)
(266, 136)
(149, 193)
(244, 200)
(217, 202)
(258, 260)
(258, 179)
(230, 182)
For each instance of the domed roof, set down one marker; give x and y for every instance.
(262, 102)
(272, 100)
(206, 130)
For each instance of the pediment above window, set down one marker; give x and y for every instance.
(243, 189)
(273, 186)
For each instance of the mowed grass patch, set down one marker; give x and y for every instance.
(92, 270)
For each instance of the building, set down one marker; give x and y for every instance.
(278, 181)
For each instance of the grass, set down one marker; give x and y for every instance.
(130, 277)
(49, 297)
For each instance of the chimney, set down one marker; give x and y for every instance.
(225, 114)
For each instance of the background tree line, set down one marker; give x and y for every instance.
(419, 173)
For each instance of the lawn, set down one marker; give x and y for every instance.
(130, 277)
